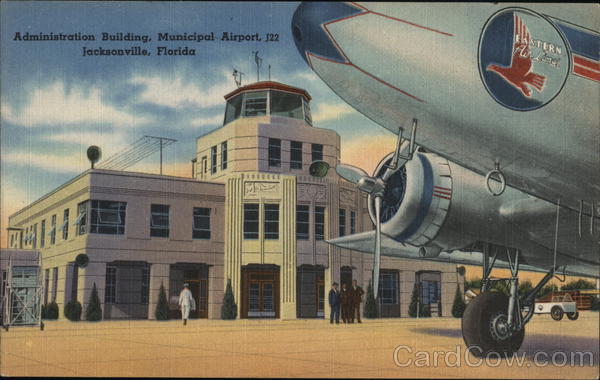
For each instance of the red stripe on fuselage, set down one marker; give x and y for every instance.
(586, 73)
(587, 63)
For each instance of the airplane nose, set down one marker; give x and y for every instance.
(309, 28)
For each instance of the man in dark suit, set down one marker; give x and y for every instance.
(346, 303)
(334, 303)
(356, 296)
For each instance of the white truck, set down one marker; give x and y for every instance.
(557, 305)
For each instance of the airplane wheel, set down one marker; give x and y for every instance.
(556, 313)
(573, 316)
(485, 328)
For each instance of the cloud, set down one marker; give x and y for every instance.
(12, 200)
(329, 111)
(177, 91)
(57, 163)
(110, 141)
(55, 105)
(213, 121)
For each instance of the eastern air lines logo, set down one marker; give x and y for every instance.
(523, 59)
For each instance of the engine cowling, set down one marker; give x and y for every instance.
(435, 204)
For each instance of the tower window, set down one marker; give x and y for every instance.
(342, 222)
(251, 221)
(317, 152)
(319, 223)
(213, 160)
(224, 155)
(274, 153)
(295, 155)
(271, 221)
(302, 222)
(255, 104)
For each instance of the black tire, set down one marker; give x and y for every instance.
(477, 326)
(573, 316)
(557, 313)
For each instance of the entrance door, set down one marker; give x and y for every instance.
(199, 289)
(260, 293)
(346, 277)
(320, 284)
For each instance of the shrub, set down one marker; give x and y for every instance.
(93, 312)
(414, 301)
(578, 285)
(51, 311)
(73, 311)
(162, 307)
(425, 311)
(371, 310)
(458, 307)
(229, 308)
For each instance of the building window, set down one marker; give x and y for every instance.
(224, 155)
(145, 290)
(42, 234)
(54, 283)
(34, 236)
(65, 225)
(204, 168)
(317, 152)
(296, 155)
(388, 288)
(342, 222)
(201, 228)
(74, 282)
(319, 223)
(352, 222)
(251, 221)
(271, 222)
(82, 216)
(110, 288)
(307, 116)
(159, 221)
(52, 231)
(275, 153)
(255, 103)
(108, 217)
(46, 285)
(302, 222)
(213, 159)
(430, 292)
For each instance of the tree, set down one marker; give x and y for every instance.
(414, 301)
(93, 312)
(371, 310)
(229, 307)
(458, 307)
(162, 306)
(73, 311)
(546, 290)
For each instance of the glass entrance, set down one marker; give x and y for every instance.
(260, 292)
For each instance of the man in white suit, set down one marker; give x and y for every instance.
(186, 303)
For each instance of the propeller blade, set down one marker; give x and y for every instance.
(350, 173)
(377, 255)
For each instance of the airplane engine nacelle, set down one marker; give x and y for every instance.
(436, 205)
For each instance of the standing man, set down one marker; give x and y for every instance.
(186, 303)
(334, 303)
(345, 303)
(357, 294)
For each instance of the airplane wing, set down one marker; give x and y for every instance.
(365, 242)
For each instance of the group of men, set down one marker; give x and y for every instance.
(347, 301)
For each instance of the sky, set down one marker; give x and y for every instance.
(55, 102)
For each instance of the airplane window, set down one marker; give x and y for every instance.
(287, 105)
(233, 109)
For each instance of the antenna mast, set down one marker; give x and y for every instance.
(258, 61)
(237, 77)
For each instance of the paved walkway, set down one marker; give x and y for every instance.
(296, 348)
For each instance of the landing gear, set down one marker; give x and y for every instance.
(556, 313)
(494, 321)
(485, 325)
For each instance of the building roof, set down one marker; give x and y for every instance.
(269, 85)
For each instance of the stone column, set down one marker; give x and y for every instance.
(234, 219)
(216, 291)
(159, 274)
(288, 236)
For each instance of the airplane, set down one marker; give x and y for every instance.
(497, 163)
